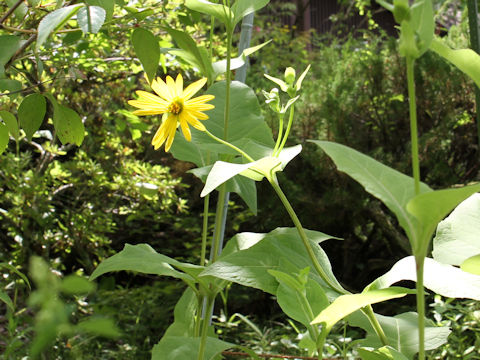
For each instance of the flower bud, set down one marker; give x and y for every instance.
(289, 75)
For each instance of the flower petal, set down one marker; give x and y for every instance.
(143, 95)
(147, 112)
(198, 115)
(162, 89)
(160, 136)
(200, 99)
(171, 134)
(185, 128)
(171, 86)
(179, 85)
(193, 88)
(194, 122)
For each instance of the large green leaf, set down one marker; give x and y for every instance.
(244, 7)
(31, 113)
(457, 237)
(466, 60)
(9, 45)
(384, 353)
(220, 12)
(143, 259)
(442, 279)
(248, 265)
(345, 305)
(393, 188)
(54, 21)
(430, 208)
(107, 5)
(401, 332)
(91, 18)
(12, 124)
(148, 51)
(183, 348)
(184, 315)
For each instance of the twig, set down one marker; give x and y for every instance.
(10, 11)
(266, 356)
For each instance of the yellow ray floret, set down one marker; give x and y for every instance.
(177, 106)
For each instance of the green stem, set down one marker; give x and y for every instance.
(217, 234)
(228, 76)
(305, 240)
(203, 338)
(420, 261)
(287, 132)
(240, 151)
(198, 320)
(413, 123)
(367, 310)
(203, 254)
(280, 133)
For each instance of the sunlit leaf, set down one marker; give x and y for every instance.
(54, 21)
(219, 11)
(68, 124)
(344, 305)
(91, 18)
(148, 51)
(9, 45)
(244, 7)
(107, 5)
(11, 122)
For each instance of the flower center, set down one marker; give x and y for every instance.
(176, 106)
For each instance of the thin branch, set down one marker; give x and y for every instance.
(10, 28)
(10, 11)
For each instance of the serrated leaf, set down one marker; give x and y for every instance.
(31, 113)
(91, 18)
(11, 122)
(442, 279)
(54, 21)
(148, 51)
(344, 305)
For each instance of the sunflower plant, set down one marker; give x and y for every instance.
(216, 123)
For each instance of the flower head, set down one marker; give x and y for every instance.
(177, 106)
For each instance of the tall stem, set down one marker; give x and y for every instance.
(228, 78)
(420, 260)
(218, 231)
(413, 123)
(205, 324)
(203, 253)
(289, 126)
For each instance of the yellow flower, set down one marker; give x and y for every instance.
(177, 107)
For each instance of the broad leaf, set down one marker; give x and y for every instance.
(401, 332)
(143, 259)
(31, 113)
(430, 208)
(3, 137)
(11, 122)
(12, 86)
(9, 45)
(148, 51)
(184, 315)
(393, 188)
(107, 5)
(249, 266)
(218, 11)
(344, 305)
(466, 60)
(182, 348)
(54, 21)
(91, 18)
(457, 237)
(384, 353)
(244, 7)
(20, 11)
(442, 279)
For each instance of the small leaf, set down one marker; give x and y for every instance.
(54, 21)
(148, 51)
(9, 45)
(344, 305)
(20, 11)
(91, 18)
(6, 299)
(11, 122)
(68, 124)
(12, 86)
(466, 60)
(31, 113)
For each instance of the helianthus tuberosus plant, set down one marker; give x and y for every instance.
(221, 131)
